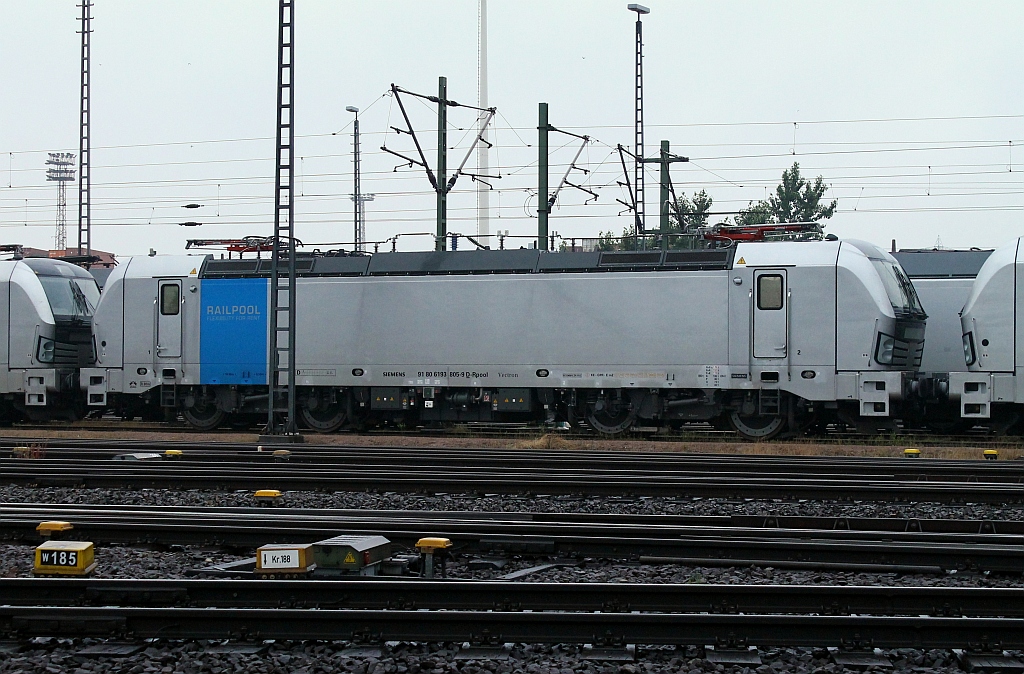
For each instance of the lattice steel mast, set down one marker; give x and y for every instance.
(483, 164)
(84, 171)
(281, 373)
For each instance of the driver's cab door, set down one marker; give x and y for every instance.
(770, 314)
(169, 305)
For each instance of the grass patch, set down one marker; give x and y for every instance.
(550, 441)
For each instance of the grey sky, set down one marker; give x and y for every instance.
(725, 82)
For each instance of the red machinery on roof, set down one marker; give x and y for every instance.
(779, 230)
(248, 244)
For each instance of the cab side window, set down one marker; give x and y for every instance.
(170, 296)
(769, 292)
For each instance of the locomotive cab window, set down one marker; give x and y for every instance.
(769, 292)
(170, 299)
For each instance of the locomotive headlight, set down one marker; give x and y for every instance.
(969, 355)
(44, 354)
(883, 352)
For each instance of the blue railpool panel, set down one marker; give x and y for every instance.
(233, 331)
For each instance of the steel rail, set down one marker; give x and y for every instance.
(497, 480)
(969, 529)
(535, 524)
(416, 594)
(72, 448)
(695, 434)
(920, 468)
(957, 470)
(517, 627)
(721, 467)
(909, 552)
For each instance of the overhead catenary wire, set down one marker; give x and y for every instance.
(958, 172)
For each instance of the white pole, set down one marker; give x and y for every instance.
(483, 206)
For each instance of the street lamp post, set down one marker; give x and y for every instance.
(638, 127)
(358, 198)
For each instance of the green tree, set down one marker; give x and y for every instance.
(607, 241)
(689, 214)
(755, 214)
(796, 199)
(799, 200)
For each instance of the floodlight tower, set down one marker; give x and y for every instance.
(61, 169)
(638, 126)
(358, 198)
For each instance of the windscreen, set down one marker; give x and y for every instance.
(70, 297)
(898, 287)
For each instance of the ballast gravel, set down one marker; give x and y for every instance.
(180, 561)
(497, 503)
(187, 561)
(123, 561)
(53, 656)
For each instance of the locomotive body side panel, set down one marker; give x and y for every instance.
(30, 318)
(6, 269)
(588, 330)
(234, 331)
(799, 354)
(862, 311)
(988, 320)
(108, 321)
(139, 332)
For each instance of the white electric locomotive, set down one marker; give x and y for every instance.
(763, 337)
(46, 311)
(991, 392)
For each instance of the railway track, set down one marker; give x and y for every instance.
(658, 539)
(455, 472)
(696, 433)
(426, 457)
(365, 593)
(496, 627)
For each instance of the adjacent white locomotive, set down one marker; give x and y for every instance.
(992, 317)
(765, 337)
(46, 309)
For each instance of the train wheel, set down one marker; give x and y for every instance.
(204, 416)
(756, 427)
(324, 417)
(611, 420)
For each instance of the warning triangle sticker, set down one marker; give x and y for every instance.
(350, 558)
(741, 261)
(192, 272)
